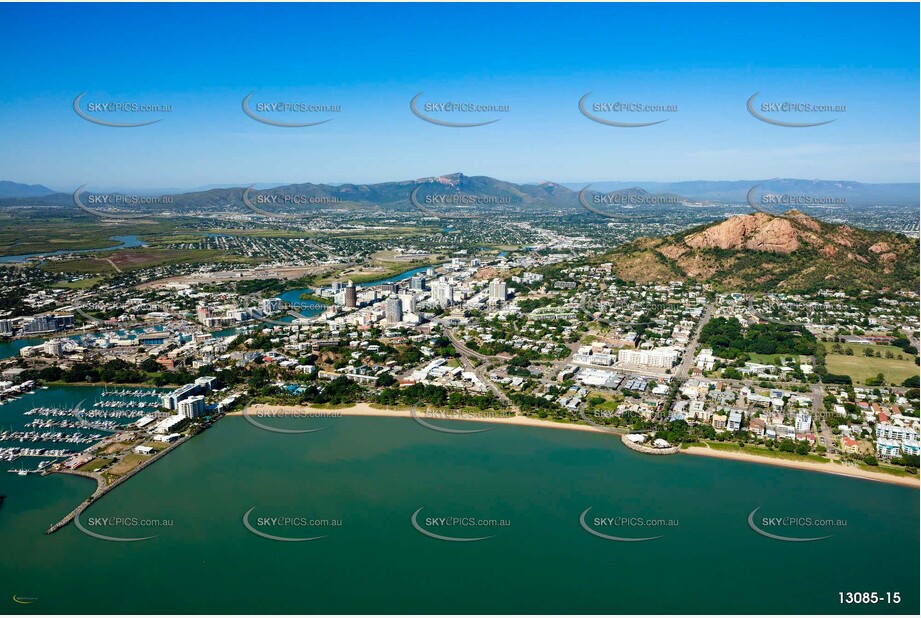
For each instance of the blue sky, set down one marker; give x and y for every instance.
(537, 59)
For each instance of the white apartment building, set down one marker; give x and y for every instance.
(657, 357)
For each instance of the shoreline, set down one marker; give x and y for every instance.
(365, 410)
(826, 468)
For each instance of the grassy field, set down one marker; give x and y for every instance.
(861, 367)
(385, 270)
(893, 470)
(81, 284)
(99, 462)
(128, 463)
(768, 359)
(762, 451)
(64, 229)
(134, 259)
(157, 446)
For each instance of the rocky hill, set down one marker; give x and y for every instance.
(793, 252)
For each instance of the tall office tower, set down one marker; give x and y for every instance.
(443, 293)
(409, 302)
(351, 295)
(417, 283)
(394, 310)
(497, 291)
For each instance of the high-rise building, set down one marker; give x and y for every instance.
(409, 302)
(270, 306)
(394, 310)
(351, 295)
(443, 293)
(6, 327)
(192, 407)
(417, 283)
(40, 324)
(498, 292)
(54, 347)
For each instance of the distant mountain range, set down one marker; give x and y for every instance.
(516, 196)
(856, 193)
(17, 189)
(789, 253)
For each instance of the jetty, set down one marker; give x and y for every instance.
(102, 488)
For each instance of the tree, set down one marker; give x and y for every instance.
(385, 380)
(150, 365)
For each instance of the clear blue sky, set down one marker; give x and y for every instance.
(538, 59)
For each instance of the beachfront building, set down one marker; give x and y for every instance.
(171, 400)
(192, 407)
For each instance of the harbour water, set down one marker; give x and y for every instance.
(372, 474)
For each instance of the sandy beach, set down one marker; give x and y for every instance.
(364, 409)
(826, 468)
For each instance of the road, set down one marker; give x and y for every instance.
(687, 360)
(818, 417)
(464, 350)
(481, 371)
